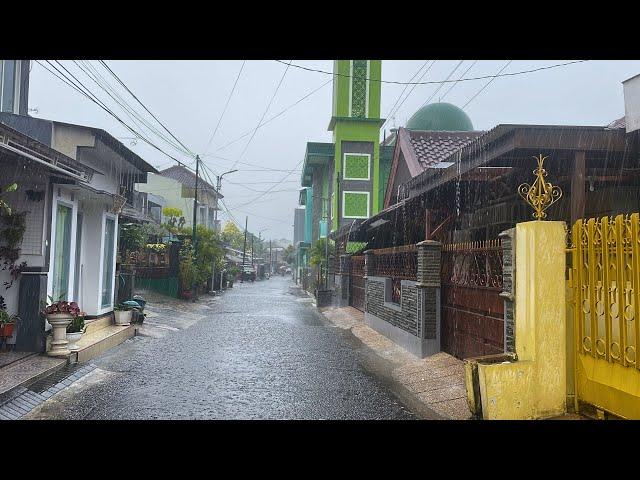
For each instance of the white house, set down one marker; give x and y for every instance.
(84, 177)
(177, 185)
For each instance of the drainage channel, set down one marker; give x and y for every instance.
(18, 402)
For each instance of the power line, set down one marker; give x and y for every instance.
(270, 119)
(215, 130)
(98, 102)
(260, 167)
(405, 88)
(263, 115)
(410, 92)
(442, 84)
(103, 84)
(274, 186)
(487, 84)
(439, 81)
(461, 76)
(144, 106)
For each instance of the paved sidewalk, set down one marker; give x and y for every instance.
(435, 382)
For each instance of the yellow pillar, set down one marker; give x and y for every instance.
(533, 386)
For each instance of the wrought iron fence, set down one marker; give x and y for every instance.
(605, 276)
(397, 263)
(473, 264)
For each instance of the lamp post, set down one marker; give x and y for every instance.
(215, 223)
(218, 187)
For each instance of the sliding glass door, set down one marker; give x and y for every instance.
(62, 253)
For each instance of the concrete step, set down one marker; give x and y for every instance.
(98, 341)
(98, 324)
(28, 370)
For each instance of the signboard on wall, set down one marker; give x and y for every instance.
(631, 88)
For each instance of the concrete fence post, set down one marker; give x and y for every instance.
(369, 259)
(530, 382)
(345, 272)
(508, 238)
(428, 288)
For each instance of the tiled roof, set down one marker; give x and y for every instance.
(186, 177)
(433, 147)
(619, 123)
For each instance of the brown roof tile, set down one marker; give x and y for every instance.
(433, 147)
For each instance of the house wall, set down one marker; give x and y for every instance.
(172, 191)
(34, 244)
(66, 139)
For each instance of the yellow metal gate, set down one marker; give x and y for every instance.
(605, 276)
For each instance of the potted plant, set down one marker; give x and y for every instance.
(60, 314)
(7, 321)
(122, 314)
(75, 330)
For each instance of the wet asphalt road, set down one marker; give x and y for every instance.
(259, 351)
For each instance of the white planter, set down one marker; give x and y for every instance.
(72, 338)
(59, 344)
(123, 317)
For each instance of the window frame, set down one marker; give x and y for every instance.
(17, 76)
(356, 154)
(362, 192)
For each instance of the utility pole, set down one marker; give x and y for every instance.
(244, 248)
(252, 255)
(195, 206)
(194, 240)
(270, 260)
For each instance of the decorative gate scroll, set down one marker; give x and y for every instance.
(605, 276)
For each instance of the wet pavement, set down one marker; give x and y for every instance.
(259, 351)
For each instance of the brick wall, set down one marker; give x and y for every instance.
(403, 316)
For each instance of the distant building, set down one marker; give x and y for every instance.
(177, 186)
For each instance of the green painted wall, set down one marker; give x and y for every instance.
(347, 128)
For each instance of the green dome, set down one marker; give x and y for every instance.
(442, 117)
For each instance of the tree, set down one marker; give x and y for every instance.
(209, 251)
(289, 254)
(175, 218)
(233, 236)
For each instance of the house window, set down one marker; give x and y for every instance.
(355, 204)
(107, 262)
(359, 86)
(9, 86)
(62, 253)
(356, 166)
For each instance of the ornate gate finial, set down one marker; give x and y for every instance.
(541, 194)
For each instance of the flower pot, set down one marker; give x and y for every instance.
(59, 344)
(6, 330)
(72, 338)
(123, 317)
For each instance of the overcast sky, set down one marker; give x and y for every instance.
(189, 97)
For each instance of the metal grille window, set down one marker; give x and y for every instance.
(357, 166)
(9, 85)
(359, 89)
(397, 263)
(355, 204)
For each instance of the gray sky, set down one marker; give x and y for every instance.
(189, 96)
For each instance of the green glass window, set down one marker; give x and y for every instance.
(355, 204)
(107, 262)
(356, 166)
(359, 89)
(62, 253)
